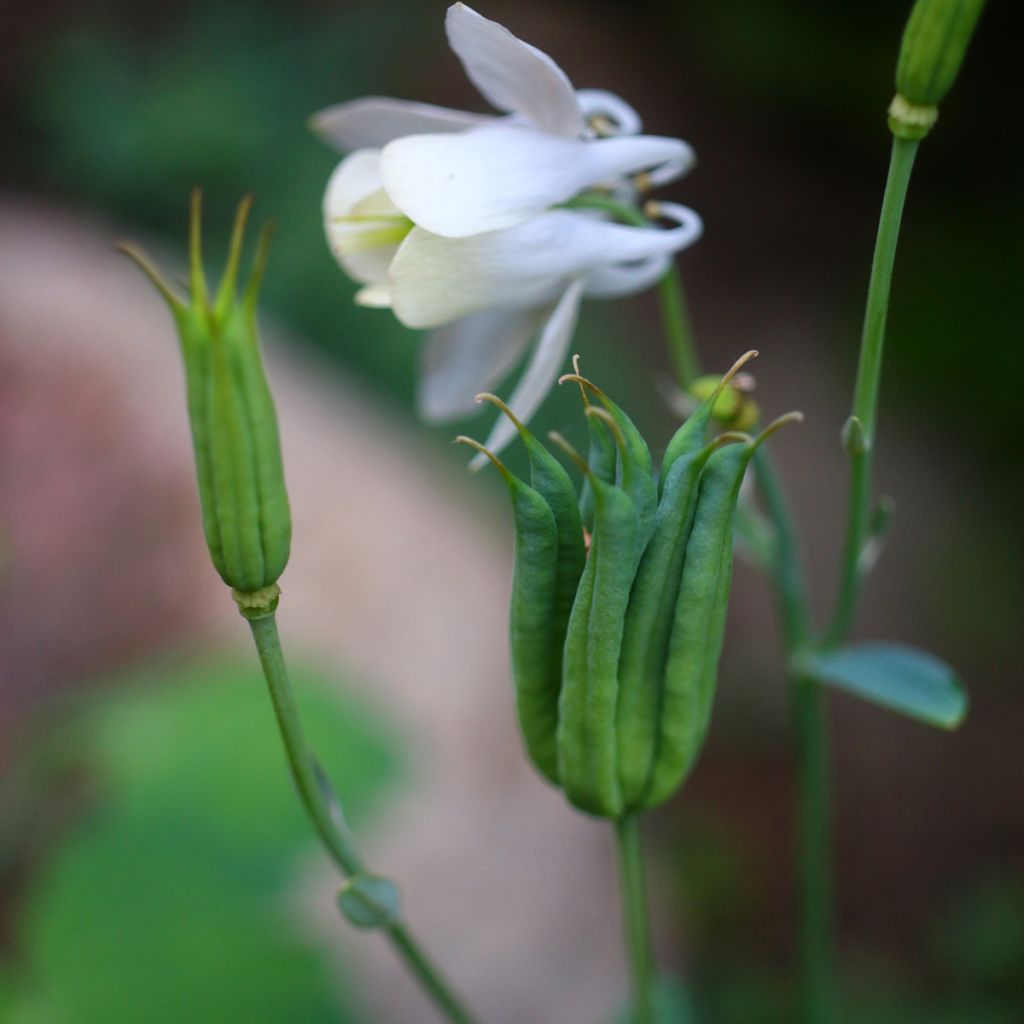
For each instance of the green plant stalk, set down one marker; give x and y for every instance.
(677, 326)
(671, 296)
(633, 887)
(818, 989)
(865, 396)
(815, 940)
(814, 847)
(316, 801)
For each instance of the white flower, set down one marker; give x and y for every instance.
(454, 220)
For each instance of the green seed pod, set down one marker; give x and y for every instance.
(246, 518)
(589, 696)
(601, 457)
(614, 693)
(934, 44)
(551, 481)
(698, 627)
(634, 472)
(549, 558)
(649, 622)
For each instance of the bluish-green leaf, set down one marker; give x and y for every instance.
(898, 677)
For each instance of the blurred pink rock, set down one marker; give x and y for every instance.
(399, 576)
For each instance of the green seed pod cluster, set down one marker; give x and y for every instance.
(242, 493)
(934, 45)
(615, 646)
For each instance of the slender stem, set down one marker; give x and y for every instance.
(865, 396)
(677, 327)
(814, 835)
(300, 758)
(674, 312)
(818, 988)
(427, 974)
(317, 800)
(634, 917)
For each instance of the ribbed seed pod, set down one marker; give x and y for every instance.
(543, 590)
(694, 642)
(587, 706)
(634, 471)
(535, 642)
(698, 628)
(601, 458)
(616, 713)
(246, 518)
(650, 619)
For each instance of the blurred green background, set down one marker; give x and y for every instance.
(119, 109)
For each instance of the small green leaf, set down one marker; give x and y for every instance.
(369, 901)
(898, 677)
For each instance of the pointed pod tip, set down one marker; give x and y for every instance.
(730, 374)
(602, 414)
(142, 261)
(483, 454)
(731, 437)
(777, 424)
(486, 396)
(571, 451)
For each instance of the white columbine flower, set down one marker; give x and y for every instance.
(455, 220)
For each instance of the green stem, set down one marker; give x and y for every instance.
(677, 327)
(426, 973)
(670, 289)
(814, 840)
(789, 580)
(634, 916)
(316, 799)
(865, 396)
(817, 958)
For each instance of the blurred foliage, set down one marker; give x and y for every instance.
(969, 968)
(177, 893)
(127, 110)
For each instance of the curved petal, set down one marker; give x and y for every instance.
(599, 103)
(373, 121)
(541, 373)
(373, 296)
(436, 279)
(512, 75)
(615, 280)
(363, 226)
(470, 355)
(502, 174)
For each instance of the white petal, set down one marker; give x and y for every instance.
(355, 178)
(373, 296)
(373, 121)
(360, 246)
(541, 373)
(512, 75)
(471, 355)
(502, 174)
(615, 280)
(599, 103)
(436, 279)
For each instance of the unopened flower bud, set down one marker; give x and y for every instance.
(245, 511)
(934, 44)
